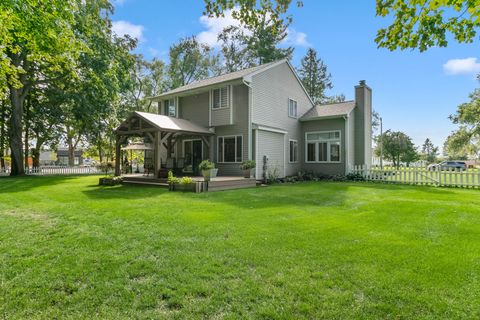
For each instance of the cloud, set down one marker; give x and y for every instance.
(215, 26)
(295, 38)
(462, 66)
(118, 2)
(121, 28)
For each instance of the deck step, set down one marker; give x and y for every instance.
(231, 184)
(151, 183)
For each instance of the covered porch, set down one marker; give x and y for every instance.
(178, 144)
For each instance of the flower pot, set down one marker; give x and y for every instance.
(247, 173)
(209, 174)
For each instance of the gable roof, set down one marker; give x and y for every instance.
(218, 79)
(165, 123)
(331, 110)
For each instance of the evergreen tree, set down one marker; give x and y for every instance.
(315, 77)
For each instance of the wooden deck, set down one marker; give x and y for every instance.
(216, 184)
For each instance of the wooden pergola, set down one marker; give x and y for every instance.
(162, 131)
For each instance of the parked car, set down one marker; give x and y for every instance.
(89, 162)
(448, 165)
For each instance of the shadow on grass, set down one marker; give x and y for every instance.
(313, 194)
(124, 191)
(25, 183)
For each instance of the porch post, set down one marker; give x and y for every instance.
(117, 156)
(158, 145)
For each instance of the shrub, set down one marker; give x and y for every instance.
(171, 179)
(105, 167)
(354, 177)
(272, 175)
(248, 165)
(186, 180)
(206, 165)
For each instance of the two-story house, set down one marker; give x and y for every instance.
(261, 113)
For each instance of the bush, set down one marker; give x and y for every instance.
(206, 165)
(171, 179)
(272, 175)
(248, 165)
(354, 177)
(186, 180)
(105, 167)
(110, 181)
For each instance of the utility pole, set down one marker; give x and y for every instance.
(381, 143)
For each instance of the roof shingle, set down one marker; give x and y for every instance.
(331, 110)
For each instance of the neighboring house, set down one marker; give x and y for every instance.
(62, 157)
(261, 113)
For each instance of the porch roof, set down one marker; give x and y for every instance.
(143, 121)
(327, 111)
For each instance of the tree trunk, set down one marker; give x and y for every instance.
(71, 152)
(15, 132)
(27, 129)
(2, 136)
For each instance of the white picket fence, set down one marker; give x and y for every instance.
(56, 170)
(469, 178)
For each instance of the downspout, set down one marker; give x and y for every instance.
(347, 143)
(249, 107)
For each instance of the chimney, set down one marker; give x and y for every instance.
(363, 124)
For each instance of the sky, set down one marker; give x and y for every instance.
(413, 92)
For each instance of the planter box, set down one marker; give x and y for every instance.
(190, 187)
(247, 173)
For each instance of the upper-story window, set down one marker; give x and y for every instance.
(170, 108)
(323, 146)
(292, 108)
(221, 97)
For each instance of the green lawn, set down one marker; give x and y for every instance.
(71, 249)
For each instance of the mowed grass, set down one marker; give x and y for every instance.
(72, 250)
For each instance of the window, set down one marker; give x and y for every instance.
(230, 149)
(292, 108)
(170, 108)
(293, 151)
(323, 146)
(221, 98)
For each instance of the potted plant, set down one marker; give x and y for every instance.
(172, 181)
(247, 167)
(208, 169)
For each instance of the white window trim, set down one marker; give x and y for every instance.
(292, 140)
(296, 109)
(328, 141)
(166, 108)
(229, 100)
(230, 136)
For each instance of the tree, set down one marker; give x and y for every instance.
(466, 140)
(38, 43)
(148, 78)
(189, 61)
(397, 147)
(250, 11)
(421, 24)
(315, 77)
(235, 51)
(429, 151)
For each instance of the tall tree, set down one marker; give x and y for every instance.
(421, 24)
(189, 61)
(38, 43)
(397, 147)
(429, 151)
(466, 140)
(314, 75)
(235, 52)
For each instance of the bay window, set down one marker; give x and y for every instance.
(323, 146)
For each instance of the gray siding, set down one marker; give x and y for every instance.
(363, 125)
(272, 145)
(325, 125)
(351, 140)
(195, 108)
(240, 127)
(271, 90)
